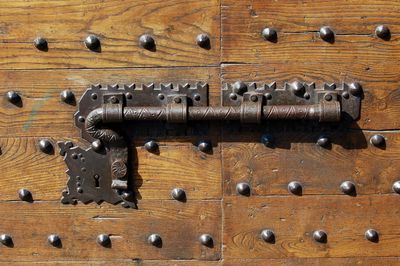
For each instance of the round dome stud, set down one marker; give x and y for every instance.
(268, 236)
(103, 240)
(320, 236)
(155, 240)
(295, 188)
(348, 188)
(327, 34)
(92, 42)
(243, 189)
(206, 240)
(372, 235)
(270, 34)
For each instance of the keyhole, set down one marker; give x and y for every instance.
(97, 180)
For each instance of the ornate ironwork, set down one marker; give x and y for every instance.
(100, 172)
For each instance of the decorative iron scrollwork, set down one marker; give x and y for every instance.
(100, 172)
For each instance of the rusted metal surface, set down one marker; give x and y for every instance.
(100, 173)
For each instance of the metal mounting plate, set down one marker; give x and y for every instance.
(273, 95)
(138, 96)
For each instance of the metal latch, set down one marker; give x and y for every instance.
(100, 172)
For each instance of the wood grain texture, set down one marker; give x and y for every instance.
(294, 219)
(117, 262)
(178, 224)
(346, 17)
(380, 108)
(308, 47)
(174, 24)
(296, 157)
(370, 261)
(43, 114)
(298, 24)
(155, 175)
(135, 261)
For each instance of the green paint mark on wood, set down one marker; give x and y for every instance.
(35, 109)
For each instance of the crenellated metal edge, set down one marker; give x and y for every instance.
(150, 94)
(107, 158)
(297, 93)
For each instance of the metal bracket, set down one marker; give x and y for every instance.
(102, 171)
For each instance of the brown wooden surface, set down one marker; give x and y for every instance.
(43, 114)
(237, 52)
(119, 24)
(370, 261)
(349, 17)
(293, 219)
(117, 262)
(296, 157)
(25, 166)
(178, 224)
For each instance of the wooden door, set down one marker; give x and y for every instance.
(213, 206)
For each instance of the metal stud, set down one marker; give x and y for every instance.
(67, 96)
(233, 96)
(298, 88)
(54, 240)
(97, 145)
(92, 42)
(323, 141)
(243, 189)
(206, 240)
(320, 236)
(239, 87)
(204, 146)
(328, 97)
(147, 42)
(268, 236)
(25, 195)
(155, 240)
(383, 32)
(270, 34)
(377, 140)
(151, 146)
(6, 240)
(13, 97)
(348, 188)
(178, 194)
(327, 34)
(355, 88)
(372, 235)
(128, 195)
(41, 44)
(103, 240)
(295, 188)
(396, 187)
(203, 40)
(46, 146)
(267, 140)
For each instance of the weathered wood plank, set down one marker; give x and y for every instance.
(380, 107)
(174, 24)
(298, 24)
(370, 261)
(308, 47)
(346, 17)
(296, 157)
(25, 166)
(293, 220)
(133, 261)
(178, 224)
(43, 114)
